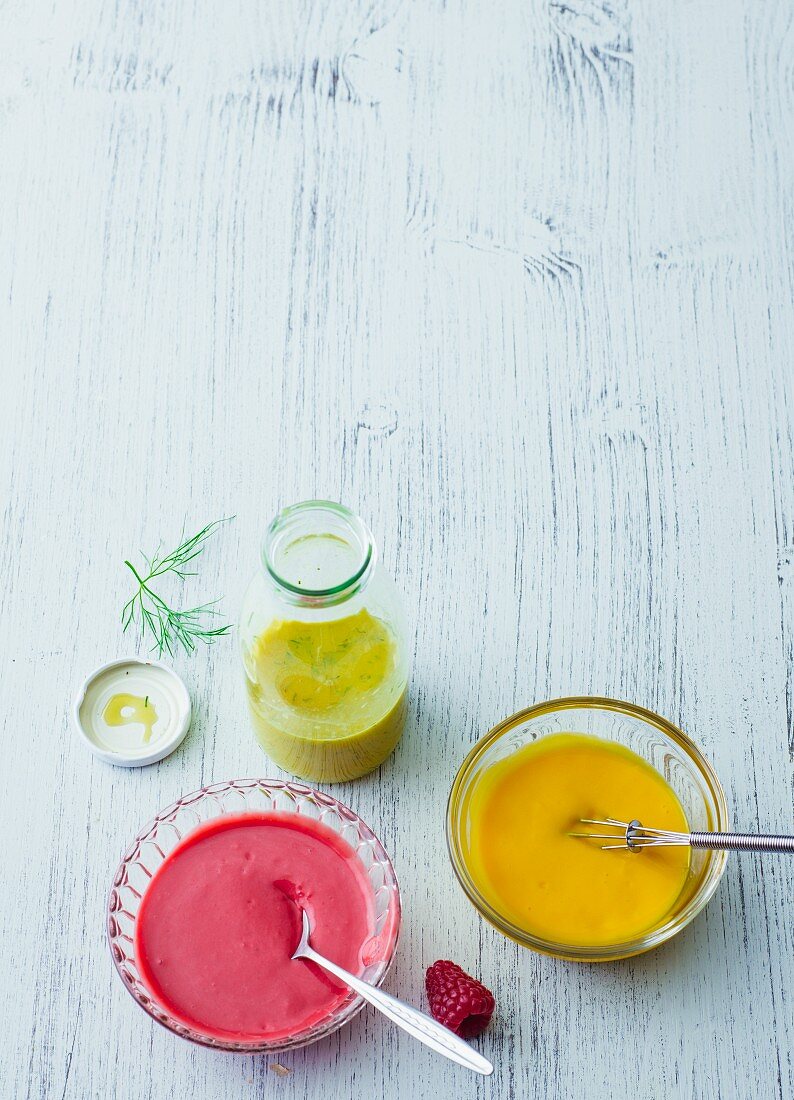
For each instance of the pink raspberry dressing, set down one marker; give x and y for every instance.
(219, 922)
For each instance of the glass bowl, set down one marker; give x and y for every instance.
(655, 739)
(160, 836)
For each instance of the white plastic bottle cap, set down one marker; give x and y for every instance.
(133, 711)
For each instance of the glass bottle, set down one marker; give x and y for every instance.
(324, 649)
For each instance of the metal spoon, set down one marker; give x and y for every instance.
(416, 1023)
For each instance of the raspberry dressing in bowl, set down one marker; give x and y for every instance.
(204, 914)
(219, 922)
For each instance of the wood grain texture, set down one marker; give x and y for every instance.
(513, 281)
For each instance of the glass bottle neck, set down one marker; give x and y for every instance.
(318, 553)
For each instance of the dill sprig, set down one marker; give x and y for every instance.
(149, 611)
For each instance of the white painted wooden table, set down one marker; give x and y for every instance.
(515, 282)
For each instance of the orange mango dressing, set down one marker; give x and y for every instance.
(561, 888)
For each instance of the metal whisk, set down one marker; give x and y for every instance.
(634, 836)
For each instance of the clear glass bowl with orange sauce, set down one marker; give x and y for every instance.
(657, 743)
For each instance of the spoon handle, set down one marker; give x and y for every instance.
(416, 1023)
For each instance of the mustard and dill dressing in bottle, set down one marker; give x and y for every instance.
(323, 646)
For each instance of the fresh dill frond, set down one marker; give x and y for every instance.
(170, 627)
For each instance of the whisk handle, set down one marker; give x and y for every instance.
(742, 842)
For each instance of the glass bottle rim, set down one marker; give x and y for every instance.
(353, 525)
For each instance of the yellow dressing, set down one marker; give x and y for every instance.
(558, 887)
(327, 697)
(124, 709)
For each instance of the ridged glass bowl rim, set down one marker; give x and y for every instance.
(349, 1008)
(577, 953)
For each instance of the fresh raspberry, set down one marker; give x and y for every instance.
(457, 1000)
